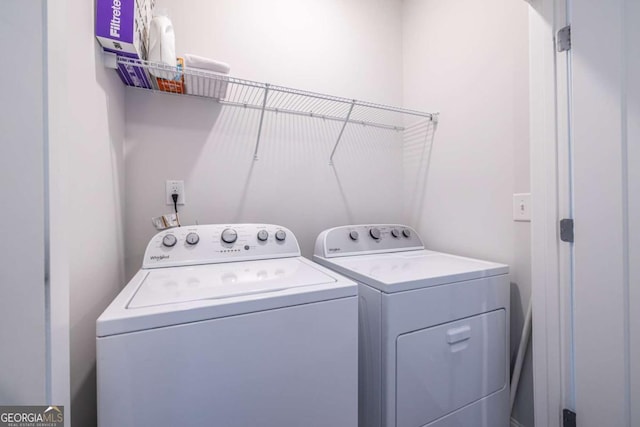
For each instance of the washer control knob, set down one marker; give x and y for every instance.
(395, 233)
(281, 235)
(229, 235)
(169, 240)
(406, 233)
(193, 238)
(374, 233)
(263, 235)
(354, 235)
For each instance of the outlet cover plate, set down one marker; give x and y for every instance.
(175, 186)
(522, 207)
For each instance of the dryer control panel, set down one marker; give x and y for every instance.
(366, 239)
(212, 244)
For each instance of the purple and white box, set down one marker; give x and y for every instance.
(122, 28)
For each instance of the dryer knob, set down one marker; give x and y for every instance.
(229, 235)
(281, 235)
(169, 240)
(354, 235)
(263, 235)
(374, 233)
(395, 233)
(406, 233)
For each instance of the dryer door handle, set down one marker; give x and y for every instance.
(460, 334)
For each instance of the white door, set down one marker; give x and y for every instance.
(606, 197)
(34, 314)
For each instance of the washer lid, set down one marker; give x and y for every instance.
(401, 271)
(217, 281)
(179, 295)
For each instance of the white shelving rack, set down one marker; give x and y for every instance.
(266, 97)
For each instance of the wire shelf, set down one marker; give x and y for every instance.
(233, 91)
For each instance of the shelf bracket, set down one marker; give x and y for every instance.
(110, 60)
(344, 125)
(264, 105)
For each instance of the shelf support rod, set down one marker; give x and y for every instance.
(344, 125)
(264, 105)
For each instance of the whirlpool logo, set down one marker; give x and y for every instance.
(334, 250)
(158, 257)
(32, 416)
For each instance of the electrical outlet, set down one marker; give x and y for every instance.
(522, 207)
(175, 187)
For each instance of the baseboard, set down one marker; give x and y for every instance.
(516, 423)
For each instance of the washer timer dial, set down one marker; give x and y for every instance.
(229, 235)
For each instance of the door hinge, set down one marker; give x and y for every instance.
(568, 418)
(566, 230)
(563, 39)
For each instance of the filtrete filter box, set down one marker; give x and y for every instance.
(121, 28)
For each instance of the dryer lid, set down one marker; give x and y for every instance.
(401, 271)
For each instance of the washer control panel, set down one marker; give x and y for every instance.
(211, 244)
(364, 239)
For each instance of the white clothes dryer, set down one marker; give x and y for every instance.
(434, 329)
(228, 326)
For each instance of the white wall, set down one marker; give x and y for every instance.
(351, 49)
(87, 146)
(22, 257)
(469, 60)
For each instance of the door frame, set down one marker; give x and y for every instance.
(551, 259)
(59, 228)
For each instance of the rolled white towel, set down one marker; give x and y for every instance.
(195, 61)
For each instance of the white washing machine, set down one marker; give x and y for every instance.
(434, 329)
(229, 326)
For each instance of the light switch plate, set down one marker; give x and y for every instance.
(522, 207)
